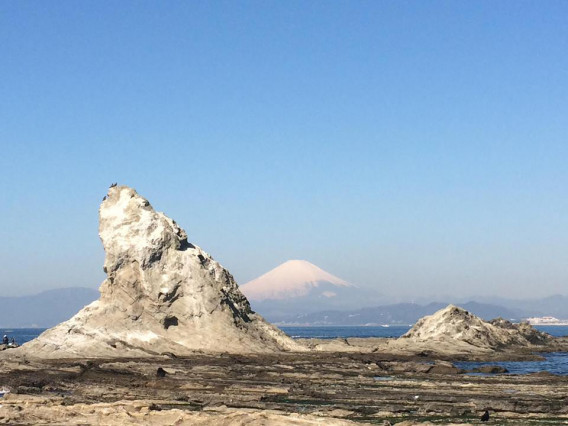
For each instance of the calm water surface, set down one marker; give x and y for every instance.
(22, 335)
(556, 363)
(333, 332)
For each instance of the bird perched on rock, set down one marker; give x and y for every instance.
(485, 416)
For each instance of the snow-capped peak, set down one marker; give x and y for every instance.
(293, 278)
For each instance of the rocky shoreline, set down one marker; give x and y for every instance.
(286, 388)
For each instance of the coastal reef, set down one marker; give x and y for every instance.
(275, 388)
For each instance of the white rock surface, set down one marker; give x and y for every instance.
(162, 295)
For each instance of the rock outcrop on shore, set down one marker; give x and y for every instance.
(162, 295)
(456, 326)
(526, 330)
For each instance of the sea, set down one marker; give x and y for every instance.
(556, 363)
(333, 332)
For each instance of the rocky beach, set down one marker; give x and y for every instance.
(172, 340)
(285, 388)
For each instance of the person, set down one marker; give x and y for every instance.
(5, 340)
(13, 342)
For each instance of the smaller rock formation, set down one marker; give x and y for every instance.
(526, 330)
(454, 329)
(490, 369)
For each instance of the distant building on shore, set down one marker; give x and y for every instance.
(546, 321)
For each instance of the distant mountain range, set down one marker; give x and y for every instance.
(556, 305)
(44, 309)
(396, 314)
(299, 292)
(350, 305)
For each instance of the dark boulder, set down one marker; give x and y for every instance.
(490, 369)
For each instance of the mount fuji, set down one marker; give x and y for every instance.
(299, 287)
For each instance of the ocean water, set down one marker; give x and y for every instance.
(333, 332)
(554, 330)
(555, 363)
(21, 335)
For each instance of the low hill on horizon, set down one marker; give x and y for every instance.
(395, 314)
(45, 309)
(554, 305)
(51, 307)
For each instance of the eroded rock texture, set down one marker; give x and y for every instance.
(457, 326)
(162, 295)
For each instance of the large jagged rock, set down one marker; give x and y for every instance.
(456, 326)
(162, 295)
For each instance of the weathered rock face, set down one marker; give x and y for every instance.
(456, 325)
(531, 334)
(162, 295)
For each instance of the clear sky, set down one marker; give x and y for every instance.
(419, 148)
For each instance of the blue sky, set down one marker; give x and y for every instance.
(419, 148)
